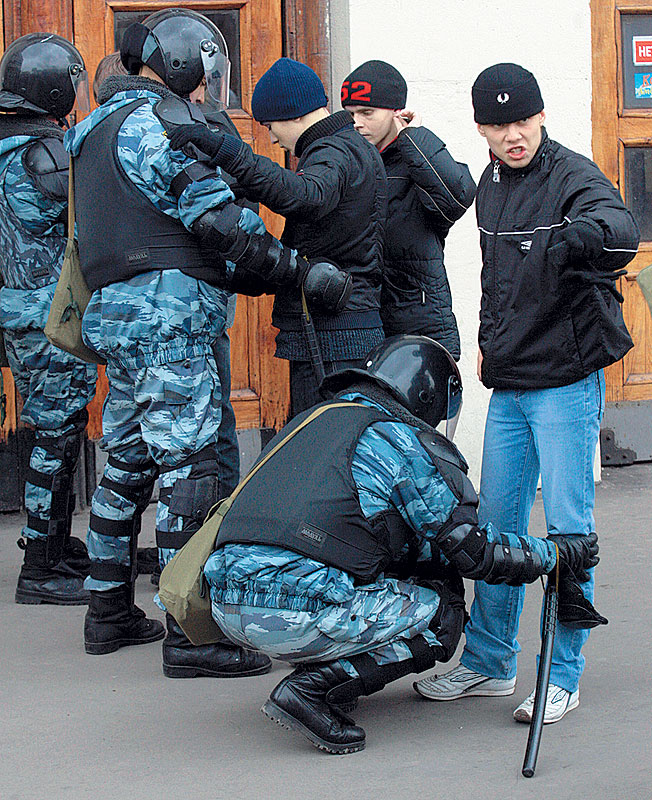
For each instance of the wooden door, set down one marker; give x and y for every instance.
(622, 147)
(253, 29)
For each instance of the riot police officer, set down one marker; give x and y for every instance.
(344, 551)
(161, 280)
(41, 75)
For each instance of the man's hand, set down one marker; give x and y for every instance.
(209, 142)
(327, 287)
(406, 118)
(575, 610)
(577, 554)
(478, 368)
(579, 241)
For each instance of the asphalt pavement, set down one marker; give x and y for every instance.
(74, 726)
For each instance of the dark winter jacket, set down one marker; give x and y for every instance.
(542, 325)
(428, 192)
(335, 206)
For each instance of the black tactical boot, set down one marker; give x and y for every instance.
(76, 557)
(45, 579)
(113, 621)
(299, 703)
(183, 659)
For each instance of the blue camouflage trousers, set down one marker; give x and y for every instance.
(161, 416)
(379, 619)
(55, 388)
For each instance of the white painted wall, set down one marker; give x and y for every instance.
(440, 46)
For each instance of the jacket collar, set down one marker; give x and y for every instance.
(390, 149)
(25, 125)
(323, 127)
(124, 83)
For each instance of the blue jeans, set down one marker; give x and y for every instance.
(552, 432)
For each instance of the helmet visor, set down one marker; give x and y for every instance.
(217, 70)
(454, 408)
(79, 78)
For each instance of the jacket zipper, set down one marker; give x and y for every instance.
(496, 179)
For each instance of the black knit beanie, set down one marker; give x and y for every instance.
(377, 84)
(505, 93)
(287, 90)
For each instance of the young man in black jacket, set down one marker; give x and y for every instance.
(428, 192)
(554, 234)
(334, 206)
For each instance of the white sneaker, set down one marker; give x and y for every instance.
(462, 682)
(558, 703)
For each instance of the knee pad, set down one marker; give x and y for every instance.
(373, 677)
(137, 493)
(60, 485)
(191, 499)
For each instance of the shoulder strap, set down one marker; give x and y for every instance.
(71, 203)
(450, 464)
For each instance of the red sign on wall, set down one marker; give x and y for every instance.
(642, 49)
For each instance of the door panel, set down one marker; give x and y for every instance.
(254, 35)
(622, 148)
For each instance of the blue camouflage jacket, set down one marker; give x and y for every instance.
(391, 469)
(160, 316)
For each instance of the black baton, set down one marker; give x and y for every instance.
(551, 603)
(312, 342)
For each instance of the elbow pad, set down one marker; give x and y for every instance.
(465, 545)
(46, 164)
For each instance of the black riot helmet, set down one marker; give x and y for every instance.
(42, 73)
(417, 371)
(181, 47)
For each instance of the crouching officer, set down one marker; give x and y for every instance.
(41, 75)
(161, 245)
(343, 553)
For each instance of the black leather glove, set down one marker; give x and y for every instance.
(204, 139)
(579, 241)
(576, 554)
(574, 610)
(326, 287)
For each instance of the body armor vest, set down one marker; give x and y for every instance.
(121, 233)
(310, 505)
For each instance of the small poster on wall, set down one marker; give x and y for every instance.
(642, 50)
(637, 60)
(643, 85)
